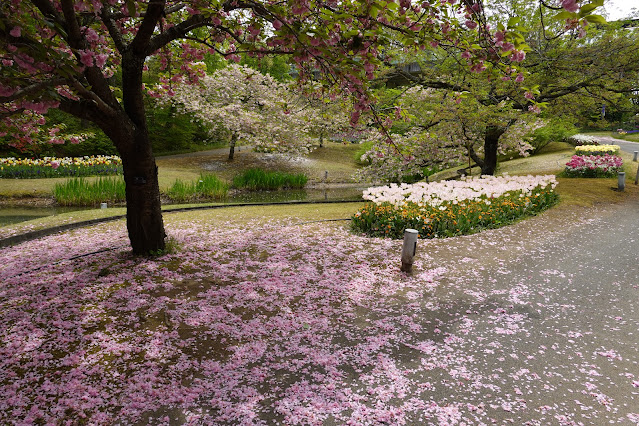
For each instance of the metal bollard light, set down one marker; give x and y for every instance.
(408, 250)
(621, 181)
(634, 158)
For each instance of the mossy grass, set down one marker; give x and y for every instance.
(264, 180)
(81, 192)
(207, 187)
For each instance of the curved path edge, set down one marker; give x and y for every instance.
(33, 235)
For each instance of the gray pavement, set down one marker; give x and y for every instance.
(624, 145)
(549, 335)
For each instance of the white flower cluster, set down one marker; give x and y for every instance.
(466, 189)
(583, 139)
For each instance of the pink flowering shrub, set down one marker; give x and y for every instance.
(593, 166)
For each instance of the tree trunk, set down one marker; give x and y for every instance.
(488, 164)
(491, 140)
(143, 207)
(232, 146)
(321, 139)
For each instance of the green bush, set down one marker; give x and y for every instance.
(82, 192)
(259, 180)
(448, 220)
(208, 187)
(557, 130)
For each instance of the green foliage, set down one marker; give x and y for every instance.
(171, 131)
(276, 66)
(208, 187)
(364, 147)
(558, 130)
(172, 246)
(387, 220)
(259, 180)
(82, 192)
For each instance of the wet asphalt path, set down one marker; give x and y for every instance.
(552, 337)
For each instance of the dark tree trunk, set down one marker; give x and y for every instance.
(143, 208)
(491, 140)
(232, 147)
(488, 164)
(321, 139)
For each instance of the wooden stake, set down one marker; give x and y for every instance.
(408, 250)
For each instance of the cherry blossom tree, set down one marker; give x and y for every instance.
(251, 107)
(436, 129)
(65, 53)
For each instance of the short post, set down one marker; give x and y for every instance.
(103, 205)
(637, 177)
(325, 175)
(634, 158)
(621, 181)
(408, 250)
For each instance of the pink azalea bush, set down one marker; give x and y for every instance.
(594, 166)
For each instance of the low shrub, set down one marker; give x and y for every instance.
(82, 192)
(260, 180)
(48, 167)
(597, 150)
(593, 166)
(208, 187)
(446, 210)
(580, 140)
(556, 131)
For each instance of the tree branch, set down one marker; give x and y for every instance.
(176, 32)
(48, 11)
(140, 43)
(33, 89)
(109, 22)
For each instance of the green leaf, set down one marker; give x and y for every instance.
(374, 11)
(392, 5)
(596, 19)
(130, 6)
(513, 21)
(562, 16)
(586, 9)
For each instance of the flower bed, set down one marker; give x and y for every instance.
(597, 150)
(594, 166)
(450, 208)
(48, 167)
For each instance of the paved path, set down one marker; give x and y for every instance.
(624, 145)
(555, 328)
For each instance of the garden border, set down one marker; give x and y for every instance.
(32, 235)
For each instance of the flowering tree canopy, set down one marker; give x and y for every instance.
(255, 108)
(65, 54)
(438, 129)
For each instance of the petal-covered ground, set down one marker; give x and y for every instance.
(276, 322)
